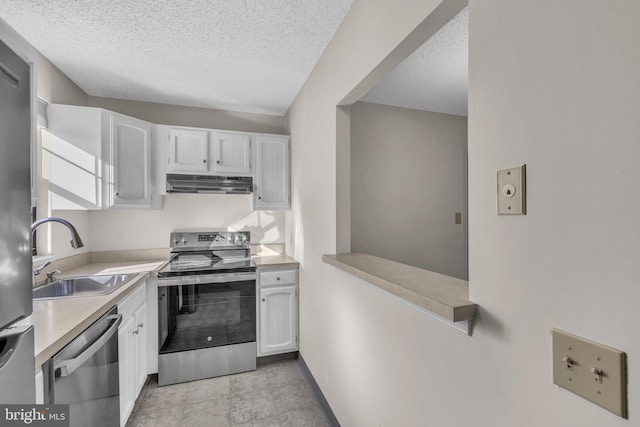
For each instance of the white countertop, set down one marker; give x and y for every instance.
(57, 321)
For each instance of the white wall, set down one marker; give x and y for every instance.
(180, 115)
(407, 171)
(553, 85)
(134, 229)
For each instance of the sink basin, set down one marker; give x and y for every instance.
(80, 286)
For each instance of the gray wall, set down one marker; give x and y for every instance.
(407, 182)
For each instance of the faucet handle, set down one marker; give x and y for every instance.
(38, 270)
(51, 275)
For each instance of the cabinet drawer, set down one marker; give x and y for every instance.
(278, 277)
(130, 304)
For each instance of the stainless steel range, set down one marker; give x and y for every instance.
(207, 307)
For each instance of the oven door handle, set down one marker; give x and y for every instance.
(203, 279)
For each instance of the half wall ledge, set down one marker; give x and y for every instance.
(444, 296)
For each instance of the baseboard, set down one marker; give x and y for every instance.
(324, 405)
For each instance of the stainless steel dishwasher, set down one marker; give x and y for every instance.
(84, 375)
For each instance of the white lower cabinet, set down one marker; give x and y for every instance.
(140, 371)
(277, 311)
(39, 387)
(132, 347)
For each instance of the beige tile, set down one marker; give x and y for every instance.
(290, 397)
(247, 382)
(275, 421)
(275, 395)
(170, 416)
(285, 372)
(212, 413)
(159, 398)
(212, 389)
(252, 406)
(308, 417)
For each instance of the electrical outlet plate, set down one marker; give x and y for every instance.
(593, 371)
(512, 191)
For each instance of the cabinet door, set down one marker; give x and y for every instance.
(130, 144)
(126, 348)
(232, 153)
(140, 321)
(73, 147)
(188, 150)
(278, 320)
(272, 173)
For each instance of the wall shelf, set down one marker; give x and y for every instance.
(446, 297)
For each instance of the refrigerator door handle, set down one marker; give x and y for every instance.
(9, 348)
(68, 366)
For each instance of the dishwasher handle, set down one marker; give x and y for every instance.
(68, 366)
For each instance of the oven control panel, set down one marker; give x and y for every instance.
(213, 239)
(209, 237)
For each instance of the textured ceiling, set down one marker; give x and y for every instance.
(434, 77)
(238, 55)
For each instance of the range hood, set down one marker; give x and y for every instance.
(207, 184)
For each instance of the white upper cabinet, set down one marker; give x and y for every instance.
(232, 153)
(99, 159)
(206, 151)
(73, 149)
(197, 151)
(129, 179)
(273, 170)
(188, 150)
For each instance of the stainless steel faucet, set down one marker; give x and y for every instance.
(38, 270)
(76, 241)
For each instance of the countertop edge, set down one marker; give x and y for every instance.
(275, 261)
(454, 312)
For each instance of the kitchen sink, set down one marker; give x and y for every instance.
(83, 286)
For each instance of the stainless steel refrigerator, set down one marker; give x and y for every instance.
(17, 364)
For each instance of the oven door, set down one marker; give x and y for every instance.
(203, 311)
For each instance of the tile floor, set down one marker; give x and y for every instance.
(274, 395)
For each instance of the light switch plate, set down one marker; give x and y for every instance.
(593, 371)
(512, 191)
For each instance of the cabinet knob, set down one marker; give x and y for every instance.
(218, 161)
(263, 300)
(135, 332)
(141, 325)
(277, 278)
(259, 197)
(204, 160)
(117, 194)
